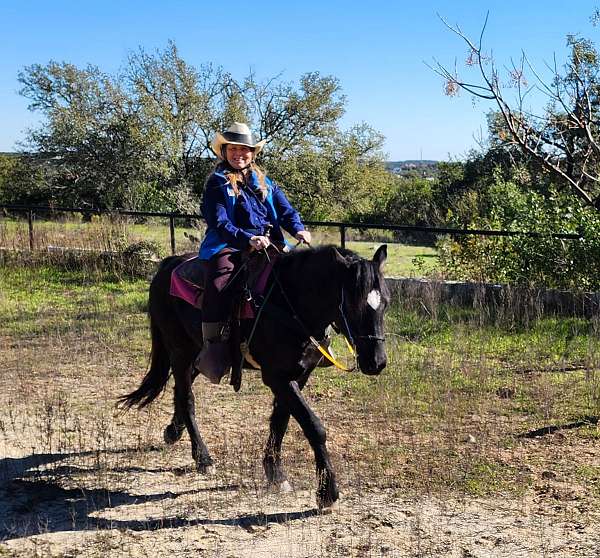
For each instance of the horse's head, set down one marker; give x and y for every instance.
(365, 297)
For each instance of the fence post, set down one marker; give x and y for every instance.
(172, 232)
(343, 236)
(30, 226)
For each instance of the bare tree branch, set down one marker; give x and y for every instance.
(565, 140)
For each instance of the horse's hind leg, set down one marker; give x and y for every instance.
(274, 472)
(185, 408)
(174, 430)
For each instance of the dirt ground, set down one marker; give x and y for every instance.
(79, 478)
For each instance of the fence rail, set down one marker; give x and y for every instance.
(341, 226)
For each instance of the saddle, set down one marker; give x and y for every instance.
(187, 280)
(187, 283)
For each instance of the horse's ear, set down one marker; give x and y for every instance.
(380, 256)
(339, 259)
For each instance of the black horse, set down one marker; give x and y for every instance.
(314, 288)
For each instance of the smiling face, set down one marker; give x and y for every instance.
(238, 156)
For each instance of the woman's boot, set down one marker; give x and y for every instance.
(214, 359)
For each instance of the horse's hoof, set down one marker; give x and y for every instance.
(206, 470)
(283, 487)
(331, 508)
(327, 499)
(172, 434)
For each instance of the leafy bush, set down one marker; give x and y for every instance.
(544, 260)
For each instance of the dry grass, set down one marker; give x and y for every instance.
(429, 456)
(113, 234)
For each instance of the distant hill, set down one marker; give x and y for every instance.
(424, 168)
(415, 162)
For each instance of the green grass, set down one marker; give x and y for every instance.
(403, 260)
(106, 234)
(448, 366)
(443, 384)
(47, 300)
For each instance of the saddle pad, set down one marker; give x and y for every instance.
(186, 281)
(257, 284)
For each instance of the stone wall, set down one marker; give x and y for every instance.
(496, 297)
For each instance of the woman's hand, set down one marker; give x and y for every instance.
(259, 242)
(303, 236)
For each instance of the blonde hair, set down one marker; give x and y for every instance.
(236, 177)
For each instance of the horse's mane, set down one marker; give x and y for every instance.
(361, 277)
(302, 258)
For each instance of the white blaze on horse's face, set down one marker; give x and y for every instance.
(374, 299)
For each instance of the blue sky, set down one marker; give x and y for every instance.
(376, 49)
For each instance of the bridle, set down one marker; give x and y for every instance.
(349, 338)
(348, 332)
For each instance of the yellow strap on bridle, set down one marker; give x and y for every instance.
(326, 354)
(350, 348)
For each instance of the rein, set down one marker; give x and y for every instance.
(348, 337)
(312, 339)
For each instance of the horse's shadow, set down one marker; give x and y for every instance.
(32, 503)
(17, 467)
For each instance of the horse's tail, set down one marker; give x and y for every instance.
(156, 378)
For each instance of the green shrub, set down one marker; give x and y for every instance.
(544, 261)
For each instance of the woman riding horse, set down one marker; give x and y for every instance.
(310, 290)
(243, 208)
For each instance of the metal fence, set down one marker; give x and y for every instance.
(343, 227)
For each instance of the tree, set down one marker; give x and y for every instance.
(292, 118)
(92, 133)
(22, 180)
(142, 139)
(184, 105)
(343, 176)
(564, 139)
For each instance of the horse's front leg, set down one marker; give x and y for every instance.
(278, 424)
(289, 399)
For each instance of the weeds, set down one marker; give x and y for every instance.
(442, 421)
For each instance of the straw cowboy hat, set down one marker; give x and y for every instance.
(237, 134)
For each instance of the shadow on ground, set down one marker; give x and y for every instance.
(31, 505)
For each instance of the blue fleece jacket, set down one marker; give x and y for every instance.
(232, 220)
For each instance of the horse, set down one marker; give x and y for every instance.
(312, 289)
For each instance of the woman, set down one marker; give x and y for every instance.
(243, 209)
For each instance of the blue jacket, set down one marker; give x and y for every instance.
(232, 220)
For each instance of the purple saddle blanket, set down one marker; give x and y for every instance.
(187, 283)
